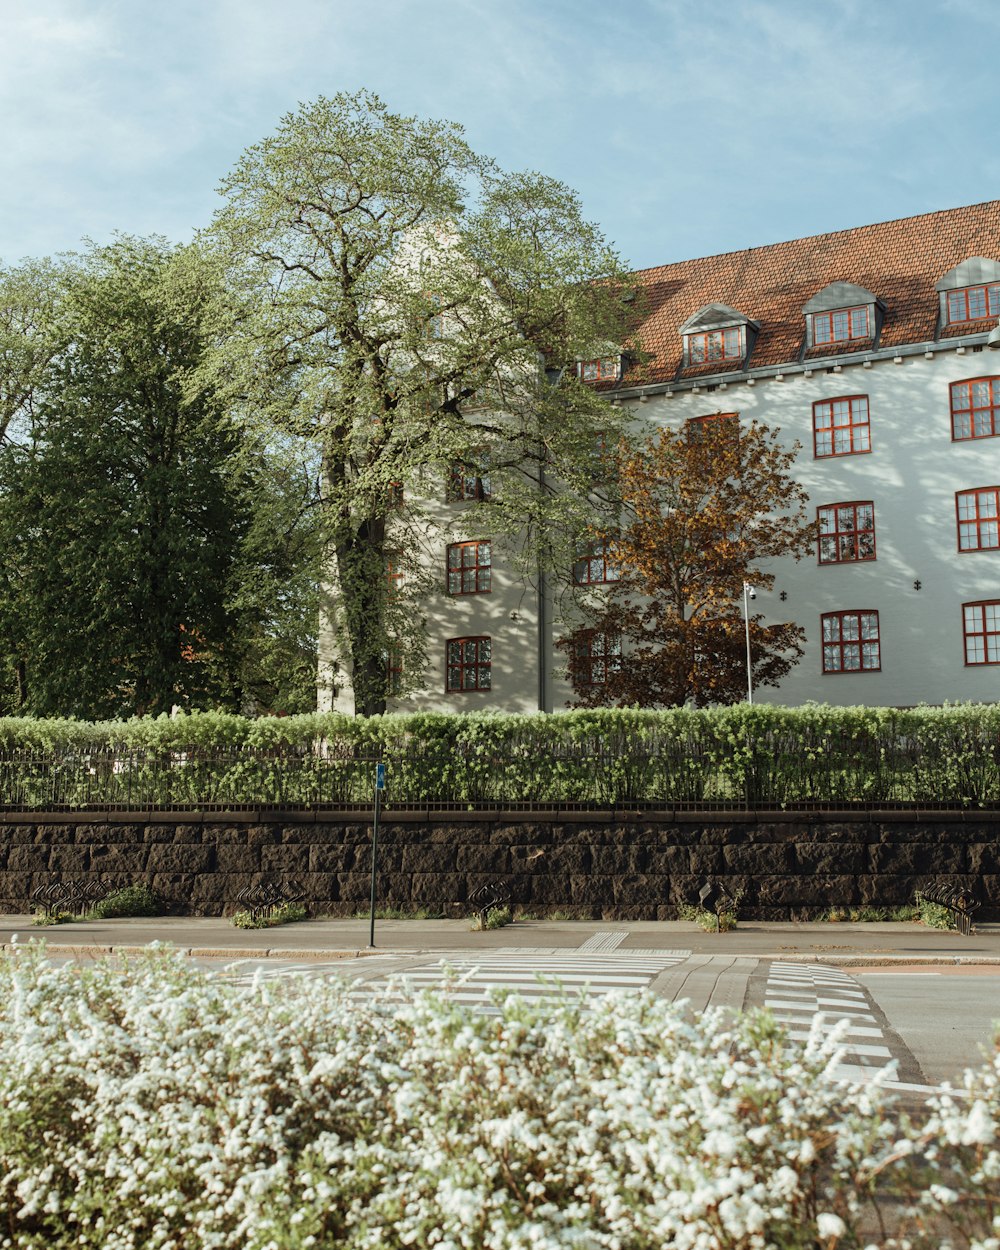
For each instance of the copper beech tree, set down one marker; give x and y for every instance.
(702, 506)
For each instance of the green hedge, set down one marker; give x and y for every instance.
(761, 756)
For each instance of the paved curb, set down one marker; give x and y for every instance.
(232, 953)
(859, 959)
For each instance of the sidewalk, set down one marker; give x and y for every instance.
(212, 937)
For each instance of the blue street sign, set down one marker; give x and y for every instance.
(379, 776)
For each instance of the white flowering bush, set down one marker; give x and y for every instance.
(155, 1106)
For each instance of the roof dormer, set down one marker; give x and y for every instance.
(970, 292)
(719, 335)
(843, 315)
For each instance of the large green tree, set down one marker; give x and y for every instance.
(416, 314)
(137, 534)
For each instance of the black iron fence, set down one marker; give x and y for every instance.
(771, 771)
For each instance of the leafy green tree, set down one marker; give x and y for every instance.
(416, 314)
(29, 298)
(127, 514)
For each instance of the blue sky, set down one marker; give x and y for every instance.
(687, 128)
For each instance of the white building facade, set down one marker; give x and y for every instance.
(871, 349)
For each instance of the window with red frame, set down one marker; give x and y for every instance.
(470, 568)
(607, 369)
(468, 483)
(393, 577)
(846, 532)
(434, 322)
(851, 642)
(715, 345)
(973, 303)
(602, 457)
(394, 669)
(595, 565)
(596, 655)
(981, 628)
(975, 408)
(469, 664)
(978, 518)
(841, 326)
(841, 426)
(728, 425)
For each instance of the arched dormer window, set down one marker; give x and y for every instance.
(842, 315)
(970, 292)
(718, 334)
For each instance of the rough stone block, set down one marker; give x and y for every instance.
(591, 891)
(815, 890)
(69, 859)
(224, 835)
(184, 859)
(572, 858)
(830, 858)
(220, 858)
(335, 858)
(284, 858)
(390, 858)
(267, 835)
(119, 860)
(753, 858)
(55, 835)
(436, 889)
(15, 890)
(984, 858)
(420, 858)
(176, 888)
(908, 858)
(318, 887)
(608, 861)
(549, 888)
(705, 861)
(101, 835)
(514, 835)
(528, 858)
(184, 834)
(665, 860)
(353, 887)
(885, 889)
(478, 858)
(28, 859)
(721, 835)
(18, 835)
(640, 890)
(217, 888)
(154, 832)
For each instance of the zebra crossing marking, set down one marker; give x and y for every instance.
(808, 998)
(473, 980)
(605, 941)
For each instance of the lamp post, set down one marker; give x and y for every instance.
(748, 594)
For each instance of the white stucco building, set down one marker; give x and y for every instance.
(869, 347)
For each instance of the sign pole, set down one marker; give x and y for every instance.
(379, 787)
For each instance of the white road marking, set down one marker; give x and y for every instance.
(824, 999)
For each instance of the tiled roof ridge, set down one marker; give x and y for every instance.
(809, 238)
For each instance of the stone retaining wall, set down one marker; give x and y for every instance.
(600, 864)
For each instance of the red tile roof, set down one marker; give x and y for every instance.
(898, 261)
